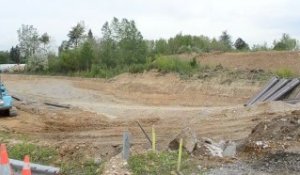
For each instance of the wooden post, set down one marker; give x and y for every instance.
(153, 139)
(126, 145)
(179, 156)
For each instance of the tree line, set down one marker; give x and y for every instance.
(121, 46)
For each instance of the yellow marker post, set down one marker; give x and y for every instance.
(179, 155)
(153, 139)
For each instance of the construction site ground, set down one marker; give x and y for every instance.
(102, 109)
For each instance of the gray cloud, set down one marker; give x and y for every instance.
(254, 20)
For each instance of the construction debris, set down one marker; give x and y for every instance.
(16, 98)
(207, 147)
(276, 89)
(203, 146)
(230, 149)
(57, 105)
(189, 140)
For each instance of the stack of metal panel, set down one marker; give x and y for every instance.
(274, 90)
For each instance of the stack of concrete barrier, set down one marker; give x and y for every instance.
(275, 89)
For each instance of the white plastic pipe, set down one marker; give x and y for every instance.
(35, 168)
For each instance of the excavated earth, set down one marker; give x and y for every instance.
(101, 110)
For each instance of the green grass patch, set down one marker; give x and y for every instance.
(38, 154)
(162, 163)
(285, 73)
(88, 167)
(49, 156)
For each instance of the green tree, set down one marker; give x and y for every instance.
(108, 47)
(69, 60)
(161, 46)
(45, 40)
(240, 44)
(225, 40)
(4, 57)
(38, 61)
(90, 35)
(150, 44)
(65, 45)
(15, 54)
(132, 46)
(76, 34)
(285, 43)
(122, 43)
(28, 40)
(202, 43)
(215, 45)
(86, 56)
(180, 43)
(260, 47)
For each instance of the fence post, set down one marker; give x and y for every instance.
(179, 156)
(126, 145)
(153, 139)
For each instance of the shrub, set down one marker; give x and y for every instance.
(55, 65)
(95, 70)
(184, 49)
(137, 68)
(173, 64)
(285, 43)
(194, 63)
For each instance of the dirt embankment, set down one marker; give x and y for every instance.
(267, 60)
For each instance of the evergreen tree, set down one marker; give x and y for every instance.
(225, 40)
(240, 44)
(15, 54)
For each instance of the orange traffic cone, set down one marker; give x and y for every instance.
(26, 169)
(5, 168)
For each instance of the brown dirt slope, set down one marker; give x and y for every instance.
(268, 61)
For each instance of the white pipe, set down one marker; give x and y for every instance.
(35, 168)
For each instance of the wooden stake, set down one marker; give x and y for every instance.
(153, 139)
(179, 156)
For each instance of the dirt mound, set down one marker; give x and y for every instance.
(281, 134)
(281, 128)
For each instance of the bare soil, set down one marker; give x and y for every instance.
(101, 110)
(265, 60)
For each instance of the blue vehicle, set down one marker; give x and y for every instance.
(6, 102)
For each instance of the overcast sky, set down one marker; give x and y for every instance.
(256, 21)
